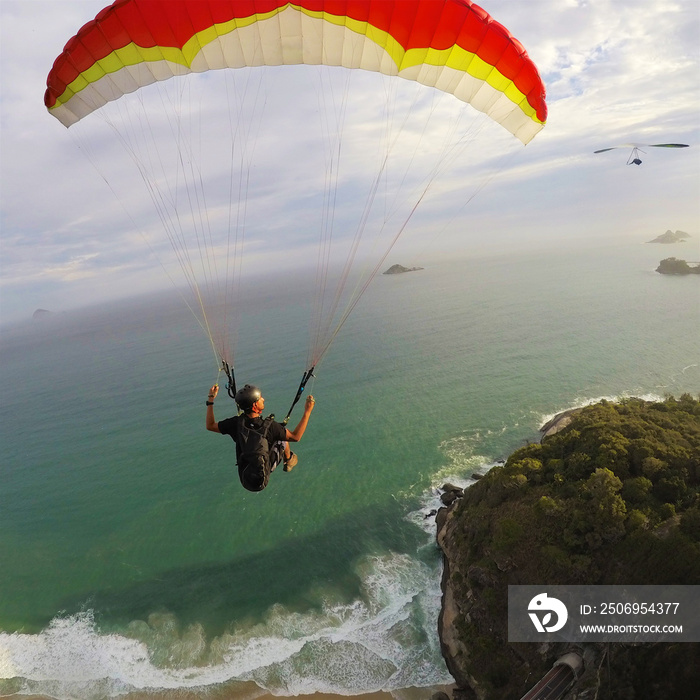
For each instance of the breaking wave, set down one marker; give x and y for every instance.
(386, 640)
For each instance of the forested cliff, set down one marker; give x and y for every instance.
(613, 498)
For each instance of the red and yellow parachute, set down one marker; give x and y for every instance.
(452, 45)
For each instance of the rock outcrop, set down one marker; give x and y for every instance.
(671, 237)
(674, 266)
(398, 269)
(559, 422)
(41, 314)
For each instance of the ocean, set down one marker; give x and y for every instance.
(133, 562)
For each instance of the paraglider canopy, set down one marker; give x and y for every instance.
(453, 46)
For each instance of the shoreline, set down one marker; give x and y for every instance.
(250, 691)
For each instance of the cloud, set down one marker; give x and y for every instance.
(76, 268)
(616, 71)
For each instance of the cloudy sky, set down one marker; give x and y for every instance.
(616, 72)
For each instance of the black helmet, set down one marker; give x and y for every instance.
(247, 396)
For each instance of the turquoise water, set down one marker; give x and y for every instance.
(132, 560)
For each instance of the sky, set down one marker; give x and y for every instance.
(616, 72)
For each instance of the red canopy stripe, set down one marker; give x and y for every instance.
(414, 24)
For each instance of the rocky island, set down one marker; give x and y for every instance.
(41, 313)
(671, 237)
(611, 495)
(398, 269)
(674, 266)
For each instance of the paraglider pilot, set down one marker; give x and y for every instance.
(261, 444)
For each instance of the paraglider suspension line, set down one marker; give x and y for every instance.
(231, 383)
(302, 385)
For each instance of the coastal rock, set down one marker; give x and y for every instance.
(451, 641)
(674, 266)
(451, 488)
(559, 422)
(398, 269)
(449, 498)
(440, 696)
(440, 517)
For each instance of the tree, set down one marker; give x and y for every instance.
(608, 508)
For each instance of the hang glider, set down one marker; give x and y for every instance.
(634, 158)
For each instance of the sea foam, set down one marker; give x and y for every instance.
(386, 640)
(583, 402)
